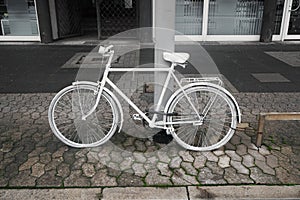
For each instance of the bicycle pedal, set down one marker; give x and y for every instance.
(137, 117)
(169, 130)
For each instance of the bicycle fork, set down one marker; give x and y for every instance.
(99, 92)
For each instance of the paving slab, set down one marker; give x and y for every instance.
(190, 192)
(145, 193)
(290, 57)
(244, 192)
(45, 194)
(270, 77)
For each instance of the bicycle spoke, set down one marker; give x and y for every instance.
(100, 129)
(96, 134)
(64, 127)
(200, 139)
(186, 134)
(193, 138)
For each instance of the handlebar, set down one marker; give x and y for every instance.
(104, 50)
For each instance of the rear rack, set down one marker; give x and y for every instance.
(215, 80)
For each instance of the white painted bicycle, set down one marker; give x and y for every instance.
(200, 115)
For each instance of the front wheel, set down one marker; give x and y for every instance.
(66, 111)
(217, 123)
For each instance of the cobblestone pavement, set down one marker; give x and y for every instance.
(31, 156)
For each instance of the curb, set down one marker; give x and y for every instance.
(189, 192)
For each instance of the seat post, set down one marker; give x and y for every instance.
(173, 64)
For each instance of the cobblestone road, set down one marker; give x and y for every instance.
(31, 156)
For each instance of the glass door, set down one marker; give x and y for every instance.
(290, 27)
(294, 23)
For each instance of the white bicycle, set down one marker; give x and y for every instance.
(200, 115)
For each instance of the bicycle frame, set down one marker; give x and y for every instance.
(152, 122)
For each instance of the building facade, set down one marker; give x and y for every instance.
(202, 20)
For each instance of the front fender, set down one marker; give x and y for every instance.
(96, 84)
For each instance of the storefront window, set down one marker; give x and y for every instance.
(18, 18)
(278, 17)
(189, 17)
(235, 17)
(294, 24)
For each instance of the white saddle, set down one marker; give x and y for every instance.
(179, 58)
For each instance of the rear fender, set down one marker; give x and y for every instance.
(239, 118)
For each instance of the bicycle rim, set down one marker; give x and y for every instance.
(65, 116)
(218, 124)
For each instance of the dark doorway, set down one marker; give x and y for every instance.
(75, 18)
(95, 18)
(68, 18)
(88, 17)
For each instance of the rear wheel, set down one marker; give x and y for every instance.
(218, 113)
(66, 111)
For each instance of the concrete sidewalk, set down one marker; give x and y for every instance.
(126, 193)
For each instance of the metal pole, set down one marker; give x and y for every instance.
(164, 39)
(98, 11)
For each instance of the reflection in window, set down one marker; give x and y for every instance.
(189, 15)
(18, 18)
(278, 16)
(294, 24)
(235, 17)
